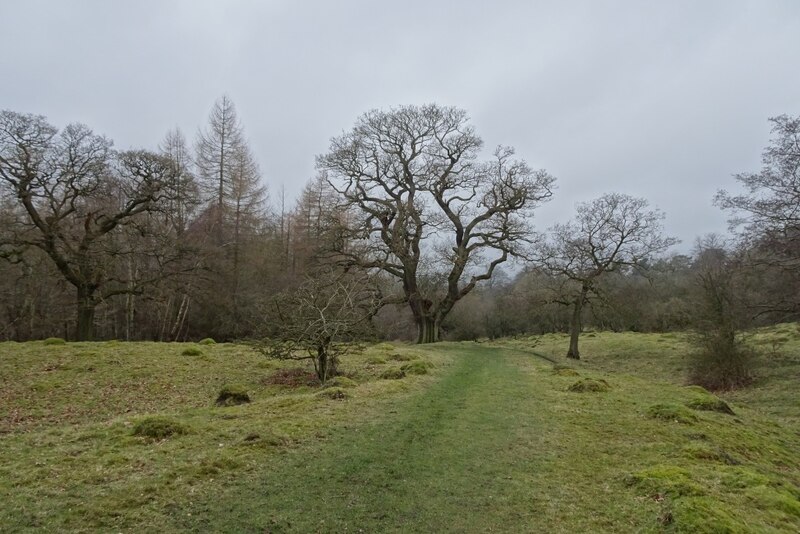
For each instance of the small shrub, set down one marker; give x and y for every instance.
(710, 403)
(417, 367)
(589, 385)
(393, 373)
(671, 412)
(158, 427)
(207, 341)
(192, 351)
(376, 360)
(54, 341)
(232, 395)
(335, 393)
(341, 382)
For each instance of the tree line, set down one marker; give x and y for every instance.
(184, 242)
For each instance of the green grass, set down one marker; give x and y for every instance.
(489, 439)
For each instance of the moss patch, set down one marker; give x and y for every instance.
(335, 393)
(393, 373)
(376, 360)
(192, 351)
(589, 385)
(710, 403)
(705, 451)
(671, 412)
(232, 395)
(54, 341)
(158, 427)
(703, 515)
(565, 371)
(207, 341)
(418, 367)
(664, 480)
(400, 357)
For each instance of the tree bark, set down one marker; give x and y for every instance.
(427, 329)
(86, 306)
(575, 324)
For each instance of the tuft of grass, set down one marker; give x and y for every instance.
(705, 451)
(589, 385)
(294, 377)
(335, 393)
(393, 373)
(341, 382)
(376, 360)
(207, 341)
(417, 367)
(402, 357)
(158, 427)
(232, 395)
(192, 351)
(671, 412)
(710, 403)
(54, 341)
(564, 371)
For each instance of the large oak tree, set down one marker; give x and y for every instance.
(419, 205)
(73, 193)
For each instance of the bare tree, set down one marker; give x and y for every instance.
(768, 215)
(418, 205)
(609, 233)
(74, 192)
(321, 318)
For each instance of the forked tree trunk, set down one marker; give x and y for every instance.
(575, 324)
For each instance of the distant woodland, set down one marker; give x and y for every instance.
(408, 231)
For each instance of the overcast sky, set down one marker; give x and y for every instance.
(664, 99)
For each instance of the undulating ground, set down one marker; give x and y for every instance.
(476, 437)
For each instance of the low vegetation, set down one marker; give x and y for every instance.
(125, 437)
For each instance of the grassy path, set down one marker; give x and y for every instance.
(445, 460)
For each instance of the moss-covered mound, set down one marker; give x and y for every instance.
(292, 377)
(54, 341)
(341, 382)
(335, 393)
(400, 357)
(232, 395)
(207, 341)
(393, 373)
(158, 427)
(417, 367)
(589, 385)
(564, 371)
(376, 360)
(710, 403)
(664, 480)
(705, 451)
(192, 351)
(671, 412)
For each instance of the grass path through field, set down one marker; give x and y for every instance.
(456, 457)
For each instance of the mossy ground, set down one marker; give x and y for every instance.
(489, 440)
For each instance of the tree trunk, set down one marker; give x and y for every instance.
(575, 324)
(86, 307)
(428, 330)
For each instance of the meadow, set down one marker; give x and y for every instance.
(490, 436)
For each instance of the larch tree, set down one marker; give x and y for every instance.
(419, 205)
(609, 233)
